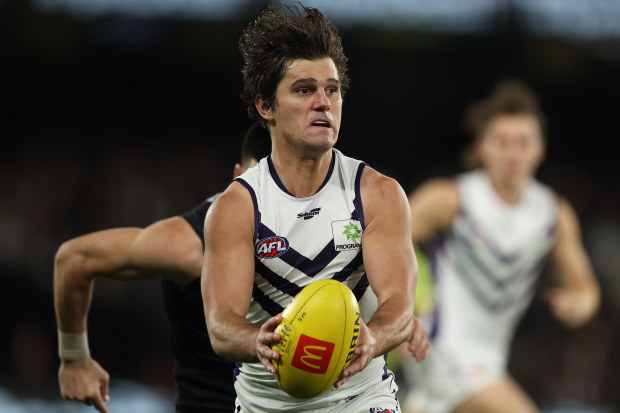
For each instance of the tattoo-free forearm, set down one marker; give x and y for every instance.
(73, 289)
(392, 324)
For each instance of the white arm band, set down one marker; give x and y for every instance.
(73, 346)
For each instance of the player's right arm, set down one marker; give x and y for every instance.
(168, 248)
(433, 208)
(228, 279)
(576, 298)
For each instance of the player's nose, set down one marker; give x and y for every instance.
(321, 101)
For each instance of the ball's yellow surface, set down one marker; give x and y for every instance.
(319, 331)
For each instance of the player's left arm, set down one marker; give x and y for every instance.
(391, 267)
(577, 297)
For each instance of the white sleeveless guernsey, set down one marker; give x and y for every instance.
(486, 269)
(299, 241)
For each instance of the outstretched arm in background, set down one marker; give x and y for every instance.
(168, 248)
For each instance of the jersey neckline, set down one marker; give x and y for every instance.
(276, 178)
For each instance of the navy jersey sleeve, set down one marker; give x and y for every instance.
(196, 217)
(204, 380)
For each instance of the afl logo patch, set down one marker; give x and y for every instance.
(271, 247)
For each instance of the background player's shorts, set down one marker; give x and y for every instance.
(444, 380)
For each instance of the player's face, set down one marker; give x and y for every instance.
(511, 148)
(308, 107)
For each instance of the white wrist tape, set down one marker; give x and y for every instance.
(73, 346)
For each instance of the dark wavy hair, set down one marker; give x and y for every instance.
(277, 37)
(508, 97)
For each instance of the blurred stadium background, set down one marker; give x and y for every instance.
(120, 113)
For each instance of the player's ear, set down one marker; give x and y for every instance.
(541, 154)
(238, 170)
(263, 107)
(478, 148)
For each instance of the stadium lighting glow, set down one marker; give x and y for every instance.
(574, 19)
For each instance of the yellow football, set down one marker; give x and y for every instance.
(319, 331)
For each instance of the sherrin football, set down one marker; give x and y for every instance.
(319, 331)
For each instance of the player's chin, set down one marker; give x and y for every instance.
(320, 145)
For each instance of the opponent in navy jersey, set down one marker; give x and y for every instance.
(203, 379)
(173, 250)
(295, 76)
(493, 230)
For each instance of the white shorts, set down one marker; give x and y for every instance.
(382, 399)
(444, 380)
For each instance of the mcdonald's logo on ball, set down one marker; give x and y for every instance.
(319, 331)
(312, 355)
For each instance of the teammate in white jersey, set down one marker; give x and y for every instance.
(493, 228)
(294, 79)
